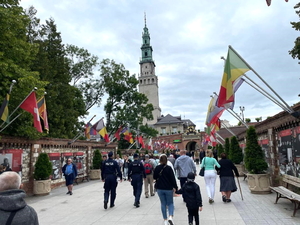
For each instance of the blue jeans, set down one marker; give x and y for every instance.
(166, 199)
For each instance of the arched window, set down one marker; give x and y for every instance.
(146, 53)
(141, 81)
(152, 80)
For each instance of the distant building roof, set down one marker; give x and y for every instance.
(169, 119)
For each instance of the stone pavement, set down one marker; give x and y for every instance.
(85, 207)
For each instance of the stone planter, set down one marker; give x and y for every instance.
(94, 174)
(259, 183)
(41, 187)
(240, 168)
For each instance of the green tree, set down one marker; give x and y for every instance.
(236, 153)
(247, 120)
(97, 160)
(295, 52)
(64, 102)
(81, 68)
(254, 156)
(16, 58)
(43, 167)
(149, 131)
(220, 149)
(227, 147)
(124, 105)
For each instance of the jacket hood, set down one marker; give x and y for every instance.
(183, 158)
(11, 200)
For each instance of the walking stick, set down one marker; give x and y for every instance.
(240, 188)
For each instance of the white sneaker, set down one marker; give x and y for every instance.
(166, 222)
(170, 220)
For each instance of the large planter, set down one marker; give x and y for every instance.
(94, 174)
(41, 187)
(240, 168)
(259, 183)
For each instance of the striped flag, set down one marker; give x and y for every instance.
(4, 110)
(41, 103)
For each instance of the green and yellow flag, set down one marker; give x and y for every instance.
(234, 68)
(4, 114)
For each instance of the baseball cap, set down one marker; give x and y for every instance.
(135, 155)
(191, 176)
(146, 156)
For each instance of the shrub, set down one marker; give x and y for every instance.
(119, 153)
(97, 160)
(236, 152)
(227, 148)
(42, 167)
(254, 156)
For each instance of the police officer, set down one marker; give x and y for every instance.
(136, 173)
(110, 171)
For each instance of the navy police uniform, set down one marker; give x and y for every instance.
(110, 171)
(136, 173)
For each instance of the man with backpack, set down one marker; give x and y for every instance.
(149, 167)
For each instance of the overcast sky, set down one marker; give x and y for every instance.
(188, 38)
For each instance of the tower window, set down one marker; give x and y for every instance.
(148, 81)
(145, 41)
(141, 81)
(152, 80)
(146, 53)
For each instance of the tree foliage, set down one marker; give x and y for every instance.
(43, 167)
(220, 149)
(227, 147)
(295, 52)
(235, 153)
(254, 156)
(97, 160)
(124, 105)
(81, 68)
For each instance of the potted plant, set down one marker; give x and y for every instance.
(95, 168)
(258, 179)
(236, 155)
(42, 172)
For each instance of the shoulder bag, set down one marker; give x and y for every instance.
(202, 169)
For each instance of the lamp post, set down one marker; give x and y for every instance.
(242, 108)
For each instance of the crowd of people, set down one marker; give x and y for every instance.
(157, 173)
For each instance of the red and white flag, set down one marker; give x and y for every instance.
(30, 105)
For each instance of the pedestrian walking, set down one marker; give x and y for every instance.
(165, 186)
(192, 197)
(70, 172)
(110, 171)
(149, 168)
(196, 156)
(125, 167)
(210, 174)
(227, 182)
(13, 207)
(136, 173)
(183, 165)
(201, 154)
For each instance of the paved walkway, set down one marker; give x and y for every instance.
(85, 207)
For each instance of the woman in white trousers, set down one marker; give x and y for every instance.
(210, 174)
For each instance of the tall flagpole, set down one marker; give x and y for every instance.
(228, 129)
(290, 109)
(219, 136)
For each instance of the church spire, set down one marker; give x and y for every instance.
(146, 47)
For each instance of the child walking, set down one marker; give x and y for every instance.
(192, 197)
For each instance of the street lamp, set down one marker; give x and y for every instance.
(242, 108)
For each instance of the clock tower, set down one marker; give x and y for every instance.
(148, 82)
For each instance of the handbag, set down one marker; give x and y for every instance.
(202, 169)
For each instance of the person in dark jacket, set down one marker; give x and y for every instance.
(70, 172)
(227, 182)
(13, 208)
(136, 173)
(110, 172)
(165, 186)
(192, 197)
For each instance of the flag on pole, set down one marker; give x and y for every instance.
(41, 103)
(30, 105)
(214, 112)
(87, 131)
(4, 114)
(141, 141)
(117, 134)
(101, 129)
(234, 68)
